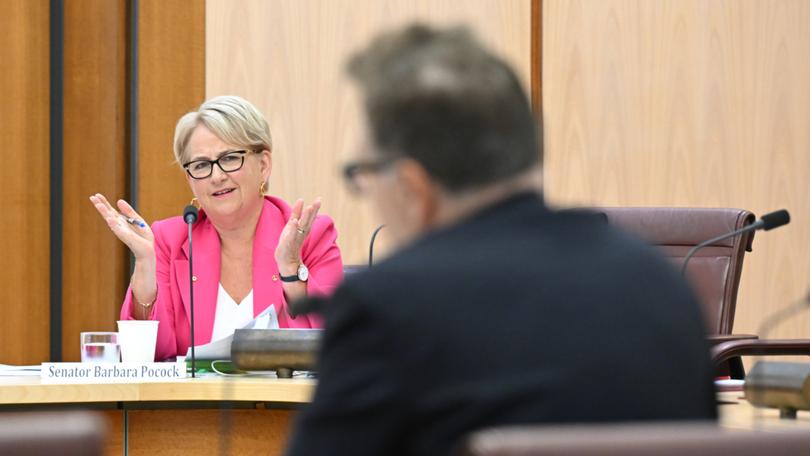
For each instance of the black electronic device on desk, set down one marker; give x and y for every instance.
(282, 350)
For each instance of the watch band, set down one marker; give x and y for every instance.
(301, 276)
(289, 279)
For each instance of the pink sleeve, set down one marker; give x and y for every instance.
(321, 255)
(162, 309)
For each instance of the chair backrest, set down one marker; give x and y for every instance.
(659, 439)
(63, 433)
(715, 270)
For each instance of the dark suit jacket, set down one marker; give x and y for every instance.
(517, 315)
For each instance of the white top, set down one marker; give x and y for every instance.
(229, 315)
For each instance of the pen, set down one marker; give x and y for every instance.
(134, 221)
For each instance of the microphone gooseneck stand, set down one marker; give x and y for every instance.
(371, 245)
(190, 214)
(767, 222)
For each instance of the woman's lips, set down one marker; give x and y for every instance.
(222, 193)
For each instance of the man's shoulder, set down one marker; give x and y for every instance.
(539, 247)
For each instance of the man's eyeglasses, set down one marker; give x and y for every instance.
(356, 173)
(228, 163)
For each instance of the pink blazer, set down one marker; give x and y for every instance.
(319, 253)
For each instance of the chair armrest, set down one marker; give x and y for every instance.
(715, 339)
(759, 347)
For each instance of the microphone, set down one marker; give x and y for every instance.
(190, 214)
(315, 305)
(767, 222)
(371, 245)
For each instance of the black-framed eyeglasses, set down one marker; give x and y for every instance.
(356, 173)
(228, 163)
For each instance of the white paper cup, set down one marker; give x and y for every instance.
(137, 339)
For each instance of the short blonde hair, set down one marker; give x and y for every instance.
(232, 119)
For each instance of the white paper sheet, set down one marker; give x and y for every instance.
(221, 349)
(7, 370)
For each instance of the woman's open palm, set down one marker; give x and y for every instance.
(140, 240)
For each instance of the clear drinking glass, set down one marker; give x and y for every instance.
(100, 347)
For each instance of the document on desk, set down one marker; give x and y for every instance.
(221, 349)
(19, 371)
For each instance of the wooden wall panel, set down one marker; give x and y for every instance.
(688, 103)
(288, 59)
(171, 82)
(24, 133)
(95, 144)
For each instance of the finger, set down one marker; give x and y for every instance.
(305, 222)
(105, 202)
(120, 228)
(102, 208)
(296, 211)
(117, 225)
(308, 217)
(128, 211)
(314, 208)
(294, 229)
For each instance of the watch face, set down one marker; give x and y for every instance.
(303, 273)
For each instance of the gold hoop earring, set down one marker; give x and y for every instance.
(263, 188)
(195, 202)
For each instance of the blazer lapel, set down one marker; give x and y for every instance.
(206, 285)
(266, 284)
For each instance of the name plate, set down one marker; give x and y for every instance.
(111, 373)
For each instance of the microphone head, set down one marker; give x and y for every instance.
(190, 214)
(775, 219)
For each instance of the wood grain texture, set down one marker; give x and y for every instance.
(31, 390)
(95, 146)
(288, 58)
(537, 57)
(688, 103)
(171, 82)
(114, 443)
(24, 129)
(296, 391)
(208, 432)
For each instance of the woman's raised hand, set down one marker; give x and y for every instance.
(139, 239)
(288, 252)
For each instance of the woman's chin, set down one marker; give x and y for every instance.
(223, 209)
(228, 208)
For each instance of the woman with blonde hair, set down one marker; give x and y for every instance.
(251, 251)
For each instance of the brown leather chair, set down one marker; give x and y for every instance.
(714, 271)
(651, 439)
(62, 433)
(729, 350)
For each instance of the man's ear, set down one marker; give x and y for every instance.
(421, 192)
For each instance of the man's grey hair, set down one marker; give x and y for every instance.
(442, 99)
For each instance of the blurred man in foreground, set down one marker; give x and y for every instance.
(495, 309)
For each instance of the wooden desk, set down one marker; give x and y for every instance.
(31, 390)
(191, 416)
(188, 416)
(736, 413)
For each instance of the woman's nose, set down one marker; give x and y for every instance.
(217, 174)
